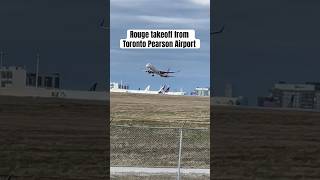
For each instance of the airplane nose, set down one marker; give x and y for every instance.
(148, 65)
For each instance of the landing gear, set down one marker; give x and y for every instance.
(152, 74)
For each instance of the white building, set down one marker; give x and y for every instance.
(228, 99)
(13, 76)
(305, 96)
(115, 85)
(18, 77)
(201, 91)
(16, 81)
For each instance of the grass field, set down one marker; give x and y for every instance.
(66, 139)
(159, 110)
(52, 139)
(158, 147)
(59, 139)
(265, 144)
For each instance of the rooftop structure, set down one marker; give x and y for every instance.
(18, 77)
(16, 81)
(201, 91)
(304, 96)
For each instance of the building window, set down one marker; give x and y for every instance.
(6, 83)
(39, 81)
(3, 74)
(57, 82)
(48, 82)
(6, 75)
(31, 79)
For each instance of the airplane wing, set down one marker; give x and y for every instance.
(166, 75)
(166, 72)
(220, 31)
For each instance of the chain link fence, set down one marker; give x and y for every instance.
(158, 147)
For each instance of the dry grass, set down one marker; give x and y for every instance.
(64, 139)
(144, 147)
(159, 110)
(265, 144)
(52, 138)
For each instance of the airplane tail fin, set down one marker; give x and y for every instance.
(93, 87)
(147, 88)
(161, 89)
(102, 23)
(164, 89)
(167, 90)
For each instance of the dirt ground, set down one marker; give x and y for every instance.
(264, 144)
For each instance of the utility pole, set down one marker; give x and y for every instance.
(180, 151)
(37, 69)
(179, 160)
(212, 34)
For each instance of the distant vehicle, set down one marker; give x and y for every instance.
(151, 69)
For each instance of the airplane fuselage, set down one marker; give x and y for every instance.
(151, 69)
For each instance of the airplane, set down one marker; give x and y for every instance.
(218, 32)
(102, 25)
(164, 89)
(151, 69)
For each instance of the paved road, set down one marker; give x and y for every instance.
(144, 171)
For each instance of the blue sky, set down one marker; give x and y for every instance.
(127, 65)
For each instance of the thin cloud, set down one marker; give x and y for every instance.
(171, 20)
(201, 2)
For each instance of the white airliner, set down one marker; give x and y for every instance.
(151, 69)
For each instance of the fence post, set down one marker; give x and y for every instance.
(179, 161)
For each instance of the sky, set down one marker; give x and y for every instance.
(65, 33)
(128, 65)
(265, 42)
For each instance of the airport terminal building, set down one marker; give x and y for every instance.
(201, 91)
(301, 96)
(229, 99)
(16, 81)
(18, 77)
